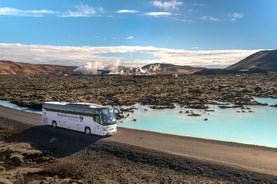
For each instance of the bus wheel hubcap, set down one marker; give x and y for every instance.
(87, 131)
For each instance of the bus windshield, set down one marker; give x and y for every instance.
(108, 116)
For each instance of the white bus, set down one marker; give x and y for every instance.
(85, 117)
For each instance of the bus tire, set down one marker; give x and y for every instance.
(54, 124)
(87, 131)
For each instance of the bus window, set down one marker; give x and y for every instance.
(96, 118)
(108, 116)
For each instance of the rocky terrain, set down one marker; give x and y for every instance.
(27, 69)
(158, 91)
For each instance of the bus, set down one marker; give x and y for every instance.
(84, 117)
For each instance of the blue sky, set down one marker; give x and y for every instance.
(176, 31)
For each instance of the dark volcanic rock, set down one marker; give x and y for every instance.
(14, 161)
(194, 114)
(229, 106)
(157, 91)
(209, 71)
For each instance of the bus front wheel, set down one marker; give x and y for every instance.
(87, 131)
(54, 124)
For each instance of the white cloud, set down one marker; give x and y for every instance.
(158, 14)
(129, 37)
(167, 5)
(76, 56)
(210, 18)
(126, 11)
(83, 10)
(7, 11)
(235, 16)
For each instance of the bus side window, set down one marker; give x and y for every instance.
(96, 118)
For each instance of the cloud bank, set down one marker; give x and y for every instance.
(76, 56)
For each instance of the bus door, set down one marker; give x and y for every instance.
(98, 126)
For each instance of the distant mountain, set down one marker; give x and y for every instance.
(27, 69)
(165, 68)
(259, 61)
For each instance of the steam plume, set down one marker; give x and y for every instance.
(115, 68)
(91, 68)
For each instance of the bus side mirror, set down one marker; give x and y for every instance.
(116, 111)
(118, 114)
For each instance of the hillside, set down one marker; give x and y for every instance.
(27, 69)
(165, 68)
(259, 61)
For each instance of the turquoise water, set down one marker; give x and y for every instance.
(269, 101)
(14, 106)
(258, 127)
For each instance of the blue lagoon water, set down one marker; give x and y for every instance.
(258, 127)
(6, 103)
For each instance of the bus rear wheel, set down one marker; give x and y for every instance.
(87, 131)
(54, 124)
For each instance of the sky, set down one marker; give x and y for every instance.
(207, 33)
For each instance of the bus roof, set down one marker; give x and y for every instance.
(77, 104)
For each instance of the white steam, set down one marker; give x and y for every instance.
(154, 68)
(91, 68)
